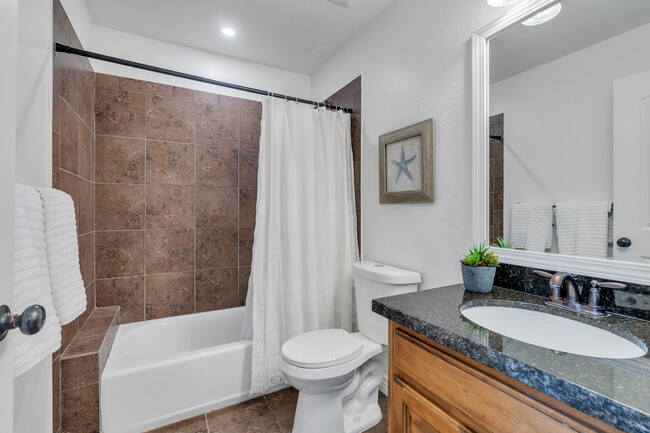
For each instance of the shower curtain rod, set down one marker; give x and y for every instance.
(70, 50)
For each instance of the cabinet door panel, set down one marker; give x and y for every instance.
(416, 414)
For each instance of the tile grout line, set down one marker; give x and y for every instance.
(238, 208)
(273, 413)
(144, 271)
(195, 213)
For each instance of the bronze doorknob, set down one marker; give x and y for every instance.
(29, 323)
(624, 242)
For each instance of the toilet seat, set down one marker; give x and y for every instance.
(321, 349)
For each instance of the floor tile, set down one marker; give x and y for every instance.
(192, 425)
(283, 404)
(232, 416)
(265, 424)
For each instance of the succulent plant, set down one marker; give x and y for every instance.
(480, 256)
(502, 243)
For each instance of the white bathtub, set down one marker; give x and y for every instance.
(166, 370)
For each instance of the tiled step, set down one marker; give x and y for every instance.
(82, 364)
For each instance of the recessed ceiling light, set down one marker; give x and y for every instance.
(543, 16)
(499, 3)
(228, 31)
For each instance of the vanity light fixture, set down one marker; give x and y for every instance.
(544, 16)
(500, 3)
(228, 31)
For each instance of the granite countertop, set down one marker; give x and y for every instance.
(612, 390)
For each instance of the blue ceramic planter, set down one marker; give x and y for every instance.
(478, 279)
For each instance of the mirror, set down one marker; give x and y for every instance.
(568, 119)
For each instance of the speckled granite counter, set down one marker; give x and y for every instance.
(614, 391)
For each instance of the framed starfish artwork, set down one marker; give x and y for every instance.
(406, 165)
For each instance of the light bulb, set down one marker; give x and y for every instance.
(500, 3)
(543, 16)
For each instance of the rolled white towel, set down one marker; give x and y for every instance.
(32, 281)
(582, 228)
(68, 290)
(531, 226)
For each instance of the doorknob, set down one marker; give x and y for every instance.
(623, 242)
(29, 323)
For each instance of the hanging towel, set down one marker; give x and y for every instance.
(68, 291)
(32, 281)
(531, 226)
(582, 228)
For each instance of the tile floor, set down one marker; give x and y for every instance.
(270, 413)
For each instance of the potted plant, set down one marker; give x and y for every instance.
(478, 269)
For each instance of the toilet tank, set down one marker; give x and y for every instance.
(374, 280)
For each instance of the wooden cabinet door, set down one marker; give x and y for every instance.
(414, 413)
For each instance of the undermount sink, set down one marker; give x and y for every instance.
(554, 332)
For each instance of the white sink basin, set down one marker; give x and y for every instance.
(554, 332)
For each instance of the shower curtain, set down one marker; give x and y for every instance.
(305, 231)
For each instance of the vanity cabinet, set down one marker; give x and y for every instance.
(434, 389)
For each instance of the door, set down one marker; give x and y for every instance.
(632, 167)
(8, 54)
(413, 413)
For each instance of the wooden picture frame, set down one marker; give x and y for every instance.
(399, 180)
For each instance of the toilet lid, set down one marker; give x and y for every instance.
(323, 348)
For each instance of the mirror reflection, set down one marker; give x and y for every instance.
(570, 131)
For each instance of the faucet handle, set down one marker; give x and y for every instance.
(609, 285)
(595, 301)
(543, 273)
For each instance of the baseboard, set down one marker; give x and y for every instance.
(384, 386)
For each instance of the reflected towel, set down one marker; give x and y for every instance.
(32, 281)
(582, 228)
(68, 291)
(531, 226)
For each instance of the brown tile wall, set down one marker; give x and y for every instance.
(176, 179)
(350, 97)
(496, 177)
(82, 365)
(73, 167)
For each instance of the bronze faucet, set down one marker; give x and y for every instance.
(565, 293)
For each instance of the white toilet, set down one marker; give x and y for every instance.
(338, 373)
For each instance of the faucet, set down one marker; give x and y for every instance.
(565, 293)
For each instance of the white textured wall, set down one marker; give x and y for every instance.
(558, 122)
(415, 63)
(179, 58)
(32, 394)
(34, 93)
(8, 53)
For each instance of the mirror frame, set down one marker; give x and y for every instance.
(602, 268)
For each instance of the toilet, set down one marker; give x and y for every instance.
(338, 373)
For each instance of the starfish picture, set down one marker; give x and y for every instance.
(403, 166)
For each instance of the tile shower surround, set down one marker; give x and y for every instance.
(349, 96)
(73, 135)
(176, 179)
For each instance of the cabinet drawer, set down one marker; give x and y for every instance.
(474, 398)
(416, 414)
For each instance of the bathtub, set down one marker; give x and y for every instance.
(166, 370)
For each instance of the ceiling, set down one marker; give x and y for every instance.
(295, 35)
(581, 23)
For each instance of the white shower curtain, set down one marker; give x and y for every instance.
(305, 231)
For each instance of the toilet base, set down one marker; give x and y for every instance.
(351, 409)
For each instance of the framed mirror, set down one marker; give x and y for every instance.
(561, 137)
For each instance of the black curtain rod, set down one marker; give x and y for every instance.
(70, 50)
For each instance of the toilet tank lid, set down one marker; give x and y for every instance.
(384, 273)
